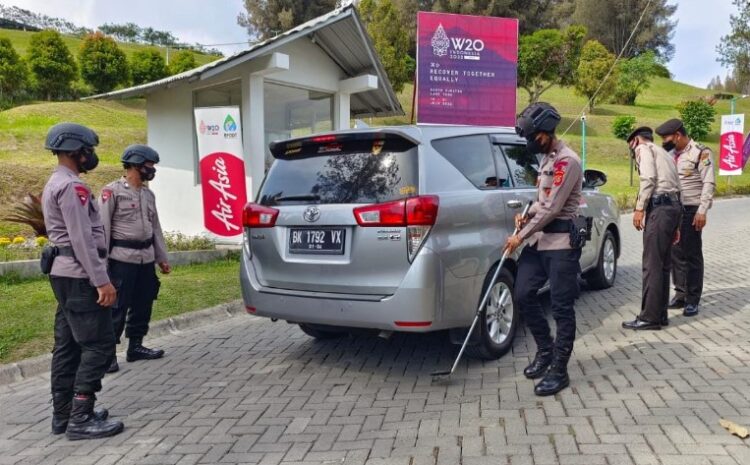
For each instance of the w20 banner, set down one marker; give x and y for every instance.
(222, 169)
(730, 154)
(466, 69)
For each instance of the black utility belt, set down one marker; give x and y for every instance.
(66, 251)
(664, 199)
(129, 244)
(578, 228)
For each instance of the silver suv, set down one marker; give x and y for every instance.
(399, 229)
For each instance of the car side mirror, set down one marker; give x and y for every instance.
(593, 179)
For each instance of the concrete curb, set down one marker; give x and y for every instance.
(24, 369)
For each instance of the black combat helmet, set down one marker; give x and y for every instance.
(537, 117)
(138, 154)
(70, 137)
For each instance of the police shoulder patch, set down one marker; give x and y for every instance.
(106, 194)
(82, 193)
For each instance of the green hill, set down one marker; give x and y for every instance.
(24, 165)
(21, 41)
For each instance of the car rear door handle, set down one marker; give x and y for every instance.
(515, 204)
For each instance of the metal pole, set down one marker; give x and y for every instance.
(583, 141)
(732, 101)
(632, 162)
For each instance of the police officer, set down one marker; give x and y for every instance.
(657, 214)
(84, 338)
(697, 182)
(136, 244)
(549, 254)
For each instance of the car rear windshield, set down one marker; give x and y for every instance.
(355, 171)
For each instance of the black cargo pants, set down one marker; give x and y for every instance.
(561, 268)
(137, 287)
(84, 337)
(662, 222)
(687, 260)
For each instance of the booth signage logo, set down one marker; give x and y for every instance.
(458, 48)
(230, 127)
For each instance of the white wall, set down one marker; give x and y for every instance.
(171, 133)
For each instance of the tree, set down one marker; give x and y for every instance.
(622, 126)
(103, 65)
(392, 41)
(128, 32)
(595, 65)
(14, 75)
(548, 57)
(734, 49)
(612, 22)
(697, 116)
(267, 18)
(182, 61)
(532, 14)
(634, 76)
(146, 66)
(51, 63)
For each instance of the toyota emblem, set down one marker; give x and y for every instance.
(312, 214)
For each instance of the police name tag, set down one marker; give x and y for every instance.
(317, 241)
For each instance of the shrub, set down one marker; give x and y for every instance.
(14, 75)
(622, 126)
(147, 66)
(4, 242)
(41, 241)
(51, 63)
(103, 65)
(18, 240)
(697, 116)
(634, 76)
(184, 60)
(596, 61)
(180, 241)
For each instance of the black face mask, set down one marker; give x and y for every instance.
(91, 161)
(147, 174)
(533, 146)
(668, 146)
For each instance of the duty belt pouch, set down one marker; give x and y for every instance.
(49, 253)
(580, 231)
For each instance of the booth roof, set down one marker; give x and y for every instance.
(340, 34)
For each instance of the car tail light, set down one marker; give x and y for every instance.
(258, 216)
(382, 214)
(418, 214)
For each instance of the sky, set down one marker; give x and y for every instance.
(215, 22)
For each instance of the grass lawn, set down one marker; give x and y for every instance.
(27, 307)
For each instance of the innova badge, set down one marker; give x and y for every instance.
(311, 214)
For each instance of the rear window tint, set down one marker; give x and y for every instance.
(472, 156)
(361, 171)
(524, 167)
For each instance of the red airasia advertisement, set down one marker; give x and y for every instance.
(222, 169)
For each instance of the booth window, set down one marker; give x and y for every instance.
(294, 112)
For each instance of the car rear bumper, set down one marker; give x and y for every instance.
(415, 307)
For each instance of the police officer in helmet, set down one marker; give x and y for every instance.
(551, 254)
(136, 244)
(77, 266)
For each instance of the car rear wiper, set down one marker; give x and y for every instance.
(296, 197)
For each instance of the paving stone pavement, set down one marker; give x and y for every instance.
(251, 391)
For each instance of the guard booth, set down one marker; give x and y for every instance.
(313, 78)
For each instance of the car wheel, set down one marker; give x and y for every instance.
(603, 276)
(497, 321)
(322, 332)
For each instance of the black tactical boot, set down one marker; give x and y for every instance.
(114, 367)
(540, 364)
(556, 379)
(83, 423)
(136, 351)
(61, 404)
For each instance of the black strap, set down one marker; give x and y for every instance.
(67, 251)
(130, 244)
(558, 226)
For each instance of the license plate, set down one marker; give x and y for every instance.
(317, 241)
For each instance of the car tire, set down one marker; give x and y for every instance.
(495, 333)
(321, 332)
(605, 273)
